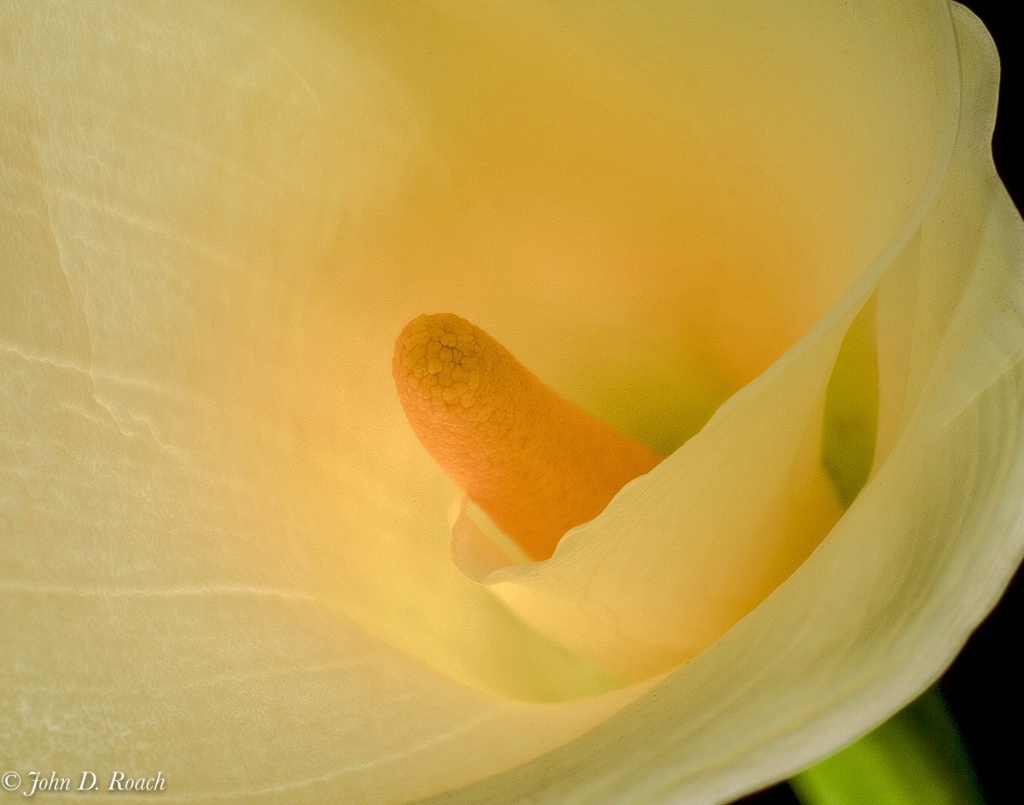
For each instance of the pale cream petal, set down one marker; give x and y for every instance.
(246, 695)
(228, 557)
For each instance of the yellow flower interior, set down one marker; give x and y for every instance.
(225, 261)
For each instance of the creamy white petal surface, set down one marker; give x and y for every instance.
(226, 557)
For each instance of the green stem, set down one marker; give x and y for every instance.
(915, 758)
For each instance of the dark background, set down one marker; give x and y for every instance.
(982, 687)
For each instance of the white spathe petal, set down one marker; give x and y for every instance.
(228, 558)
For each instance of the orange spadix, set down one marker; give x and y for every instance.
(535, 463)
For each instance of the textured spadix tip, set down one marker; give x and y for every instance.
(437, 364)
(535, 462)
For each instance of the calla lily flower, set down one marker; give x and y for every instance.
(767, 240)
